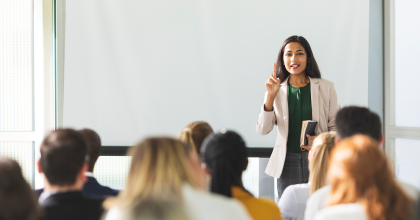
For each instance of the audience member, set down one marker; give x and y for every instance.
(195, 133)
(92, 187)
(165, 168)
(17, 201)
(351, 121)
(293, 201)
(155, 210)
(225, 156)
(363, 184)
(62, 161)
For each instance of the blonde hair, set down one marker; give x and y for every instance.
(318, 166)
(360, 173)
(194, 134)
(159, 168)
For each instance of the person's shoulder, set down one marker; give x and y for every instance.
(92, 203)
(298, 187)
(92, 188)
(291, 190)
(343, 212)
(319, 195)
(227, 208)
(207, 197)
(298, 190)
(267, 203)
(113, 213)
(409, 189)
(94, 199)
(325, 82)
(294, 194)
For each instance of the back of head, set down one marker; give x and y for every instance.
(358, 120)
(63, 154)
(17, 201)
(226, 157)
(159, 168)
(318, 165)
(195, 133)
(93, 142)
(360, 173)
(151, 209)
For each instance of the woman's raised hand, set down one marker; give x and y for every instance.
(273, 83)
(273, 86)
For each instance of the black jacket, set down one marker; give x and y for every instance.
(92, 188)
(71, 206)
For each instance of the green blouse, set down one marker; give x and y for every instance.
(300, 109)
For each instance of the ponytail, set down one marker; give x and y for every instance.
(186, 137)
(194, 134)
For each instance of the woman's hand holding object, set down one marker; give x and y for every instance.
(310, 141)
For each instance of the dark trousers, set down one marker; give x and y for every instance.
(295, 171)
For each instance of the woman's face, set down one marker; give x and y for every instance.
(295, 58)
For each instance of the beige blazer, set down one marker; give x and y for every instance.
(324, 107)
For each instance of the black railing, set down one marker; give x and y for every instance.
(122, 151)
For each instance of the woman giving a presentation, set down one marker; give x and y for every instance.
(295, 93)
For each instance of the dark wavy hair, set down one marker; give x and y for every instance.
(311, 70)
(226, 157)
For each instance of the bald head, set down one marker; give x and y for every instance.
(93, 142)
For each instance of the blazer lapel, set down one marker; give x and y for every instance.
(284, 103)
(314, 99)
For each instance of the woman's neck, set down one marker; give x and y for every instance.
(298, 80)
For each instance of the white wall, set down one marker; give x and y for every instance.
(135, 68)
(407, 90)
(407, 71)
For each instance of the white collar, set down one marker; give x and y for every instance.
(45, 194)
(89, 174)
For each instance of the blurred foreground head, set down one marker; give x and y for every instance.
(360, 173)
(159, 168)
(17, 201)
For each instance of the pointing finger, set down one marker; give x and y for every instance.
(274, 69)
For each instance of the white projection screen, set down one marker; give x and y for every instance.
(138, 68)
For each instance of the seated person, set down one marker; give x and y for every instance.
(17, 201)
(293, 200)
(165, 168)
(92, 187)
(225, 157)
(363, 185)
(195, 133)
(63, 155)
(350, 121)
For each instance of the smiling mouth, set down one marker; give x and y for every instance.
(295, 66)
